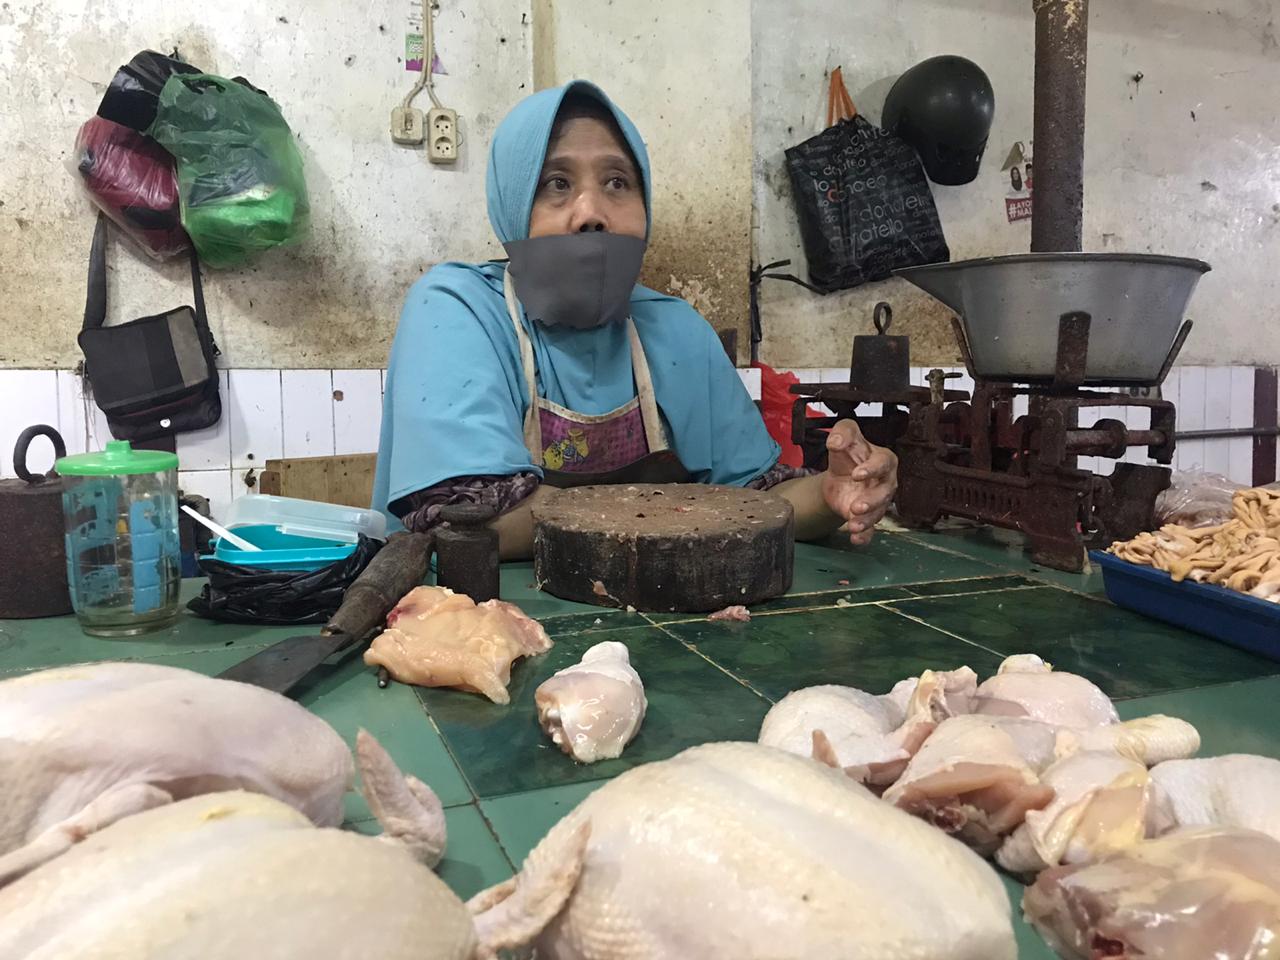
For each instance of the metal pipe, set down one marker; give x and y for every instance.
(1057, 199)
(1232, 432)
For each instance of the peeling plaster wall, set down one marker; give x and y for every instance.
(1184, 162)
(683, 74)
(381, 213)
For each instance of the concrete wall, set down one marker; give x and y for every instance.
(1184, 162)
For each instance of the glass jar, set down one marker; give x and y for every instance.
(120, 511)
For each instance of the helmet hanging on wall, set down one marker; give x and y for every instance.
(943, 107)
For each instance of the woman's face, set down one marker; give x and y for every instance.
(588, 182)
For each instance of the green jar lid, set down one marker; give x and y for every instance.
(119, 459)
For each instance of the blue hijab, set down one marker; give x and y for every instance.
(455, 393)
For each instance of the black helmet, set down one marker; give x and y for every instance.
(943, 107)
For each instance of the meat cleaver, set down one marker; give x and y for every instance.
(395, 570)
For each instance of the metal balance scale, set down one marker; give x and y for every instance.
(1067, 331)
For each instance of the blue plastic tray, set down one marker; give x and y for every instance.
(281, 551)
(1235, 618)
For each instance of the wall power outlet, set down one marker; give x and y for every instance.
(442, 135)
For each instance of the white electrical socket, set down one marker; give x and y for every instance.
(442, 135)
(406, 126)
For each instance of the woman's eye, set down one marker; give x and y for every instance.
(619, 183)
(557, 184)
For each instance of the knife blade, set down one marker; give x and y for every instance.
(396, 569)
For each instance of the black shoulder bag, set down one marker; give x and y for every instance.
(154, 376)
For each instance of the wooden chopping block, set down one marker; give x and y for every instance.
(664, 548)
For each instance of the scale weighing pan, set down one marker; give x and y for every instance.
(1009, 308)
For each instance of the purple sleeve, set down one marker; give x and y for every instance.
(777, 474)
(502, 493)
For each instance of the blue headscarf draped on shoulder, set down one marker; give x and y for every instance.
(455, 393)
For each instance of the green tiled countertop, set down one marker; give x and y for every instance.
(866, 617)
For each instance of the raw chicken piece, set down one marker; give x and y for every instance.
(867, 736)
(594, 708)
(233, 875)
(976, 777)
(739, 850)
(438, 638)
(82, 747)
(1148, 740)
(736, 612)
(1099, 807)
(1026, 686)
(1236, 790)
(1207, 894)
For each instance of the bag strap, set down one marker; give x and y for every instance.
(839, 103)
(95, 305)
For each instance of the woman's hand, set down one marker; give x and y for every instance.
(860, 480)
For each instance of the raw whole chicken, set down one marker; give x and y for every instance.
(438, 638)
(977, 777)
(1236, 790)
(861, 733)
(1099, 807)
(227, 876)
(1026, 686)
(594, 708)
(1204, 894)
(740, 850)
(84, 746)
(870, 737)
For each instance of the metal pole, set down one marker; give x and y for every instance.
(1057, 199)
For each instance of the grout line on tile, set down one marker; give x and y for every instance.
(931, 626)
(694, 650)
(967, 593)
(475, 796)
(496, 839)
(1029, 575)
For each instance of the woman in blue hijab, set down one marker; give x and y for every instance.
(557, 369)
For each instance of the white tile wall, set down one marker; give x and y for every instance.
(295, 413)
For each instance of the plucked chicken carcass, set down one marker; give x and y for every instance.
(438, 638)
(594, 708)
(235, 875)
(1235, 790)
(870, 737)
(82, 747)
(740, 850)
(1203, 894)
(1026, 686)
(1099, 806)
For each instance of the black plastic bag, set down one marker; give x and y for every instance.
(239, 594)
(134, 93)
(862, 199)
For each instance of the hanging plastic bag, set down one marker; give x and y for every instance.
(134, 93)
(1195, 498)
(240, 177)
(132, 179)
(238, 594)
(862, 199)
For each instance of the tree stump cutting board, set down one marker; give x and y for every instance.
(664, 548)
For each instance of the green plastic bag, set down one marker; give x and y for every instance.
(240, 181)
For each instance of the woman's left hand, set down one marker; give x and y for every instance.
(860, 481)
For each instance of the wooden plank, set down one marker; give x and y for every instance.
(346, 479)
(1264, 415)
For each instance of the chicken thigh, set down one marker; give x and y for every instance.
(1026, 686)
(438, 638)
(1191, 895)
(1236, 790)
(82, 747)
(740, 850)
(1099, 807)
(594, 708)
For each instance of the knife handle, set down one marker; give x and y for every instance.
(396, 569)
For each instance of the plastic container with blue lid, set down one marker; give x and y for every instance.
(296, 534)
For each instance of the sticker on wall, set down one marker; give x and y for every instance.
(1016, 177)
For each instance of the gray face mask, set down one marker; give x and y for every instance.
(579, 280)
